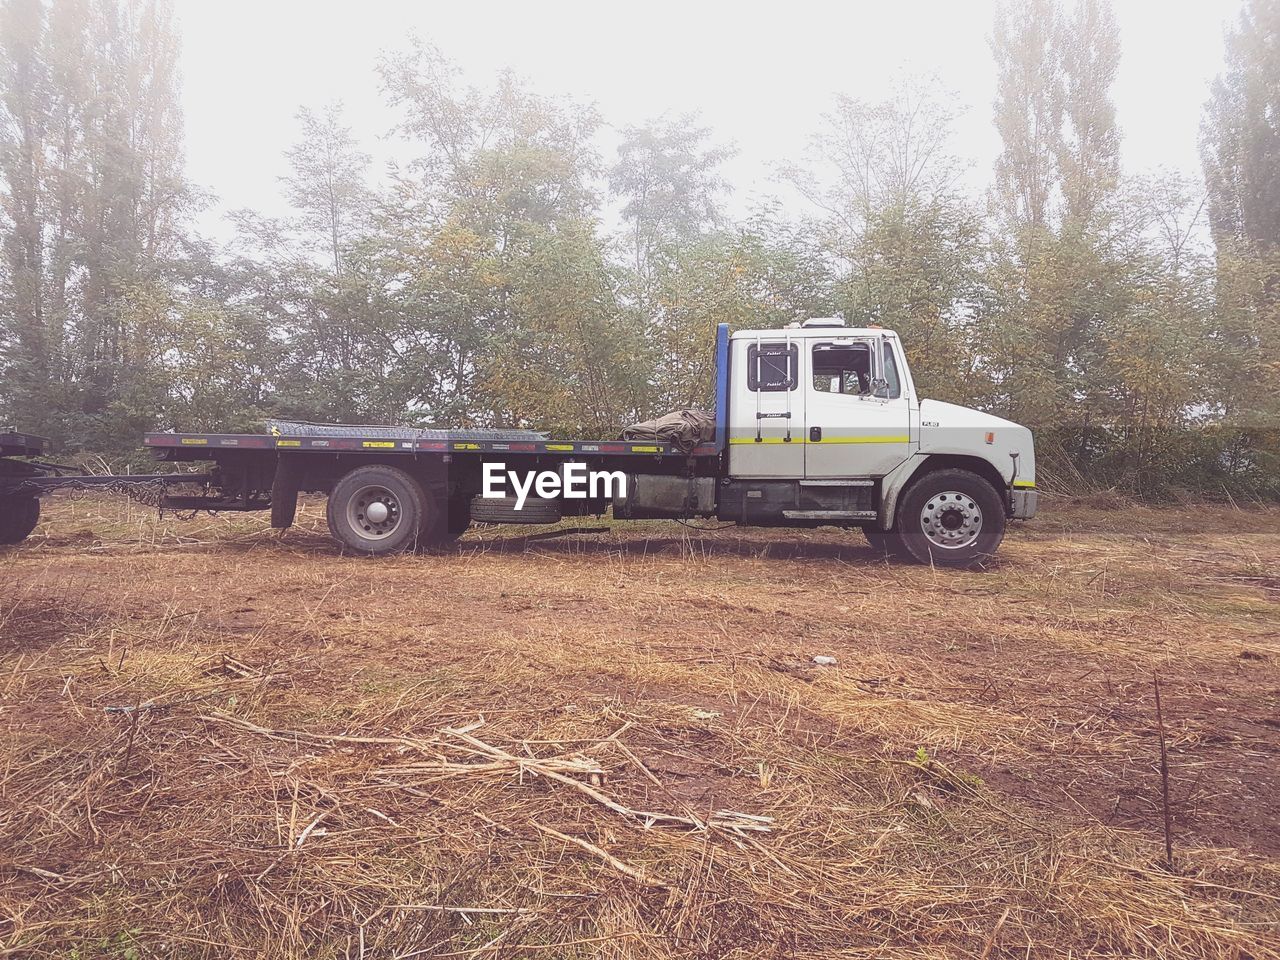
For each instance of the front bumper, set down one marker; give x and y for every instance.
(1025, 503)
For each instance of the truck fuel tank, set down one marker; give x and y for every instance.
(651, 497)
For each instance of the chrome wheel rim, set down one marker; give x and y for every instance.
(951, 520)
(373, 512)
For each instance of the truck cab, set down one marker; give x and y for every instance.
(819, 401)
(825, 425)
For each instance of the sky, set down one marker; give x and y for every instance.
(759, 75)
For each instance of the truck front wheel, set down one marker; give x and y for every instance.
(951, 518)
(18, 517)
(379, 509)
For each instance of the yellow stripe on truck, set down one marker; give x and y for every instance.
(1024, 484)
(902, 439)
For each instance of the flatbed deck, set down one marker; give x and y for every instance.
(414, 445)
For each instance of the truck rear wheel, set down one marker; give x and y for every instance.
(379, 509)
(951, 518)
(18, 517)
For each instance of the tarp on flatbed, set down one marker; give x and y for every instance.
(684, 429)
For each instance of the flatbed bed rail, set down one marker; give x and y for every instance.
(367, 444)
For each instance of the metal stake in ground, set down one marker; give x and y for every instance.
(1164, 781)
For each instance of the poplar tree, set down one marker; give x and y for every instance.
(1240, 132)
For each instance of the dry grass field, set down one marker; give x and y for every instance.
(615, 743)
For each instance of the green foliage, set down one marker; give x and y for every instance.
(758, 275)
(483, 285)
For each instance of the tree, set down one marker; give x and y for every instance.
(906, 243)
(507, 310)
(891, 153)
(668, 177)
(1240, 132)
(1065, 269)
(1028, 110)
(133, 203)
(570, 365)
(1088, 148)
(93, 194)
(1240, 152)
(765, 272)
(327, 181)
(27, 104)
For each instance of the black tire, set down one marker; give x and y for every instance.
(942, 498)
(409, 510)
(503, 510)
(18, 517)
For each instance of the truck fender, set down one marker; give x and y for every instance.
(895, 483)
(892, 485)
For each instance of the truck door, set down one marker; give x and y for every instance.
(766, 412)
(858, 416)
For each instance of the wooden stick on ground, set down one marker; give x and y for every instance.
(623, 868)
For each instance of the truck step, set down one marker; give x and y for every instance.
(842, 515)
(841, 482)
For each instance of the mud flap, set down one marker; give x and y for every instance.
(284, 491)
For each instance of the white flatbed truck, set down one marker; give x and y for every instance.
(816, 424)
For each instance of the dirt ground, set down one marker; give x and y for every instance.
(612, 740)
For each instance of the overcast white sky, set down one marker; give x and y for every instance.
(759, 75)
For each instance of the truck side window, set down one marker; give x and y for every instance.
(842, 368)
(891, 373)
(772, 367)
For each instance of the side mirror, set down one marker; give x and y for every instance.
(880, 388)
